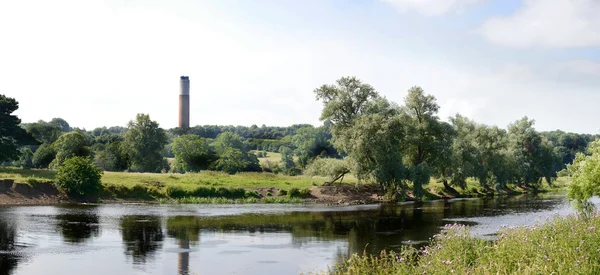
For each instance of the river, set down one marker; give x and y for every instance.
(236, 239)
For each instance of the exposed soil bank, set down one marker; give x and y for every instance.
(41, 193)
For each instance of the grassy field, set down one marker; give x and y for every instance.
(217, 184)
(568, 245)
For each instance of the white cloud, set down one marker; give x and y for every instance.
(547, 24)
(585, 67)
(431, 7)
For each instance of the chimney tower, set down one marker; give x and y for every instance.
(184, 103)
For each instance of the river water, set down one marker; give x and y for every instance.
(236, 239)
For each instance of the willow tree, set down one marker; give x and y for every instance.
(425, 137)
(366, 127)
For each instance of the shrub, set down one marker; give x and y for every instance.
(297, 193)
(251, 194)
(79, 177)
(283, 192)
(176, 192)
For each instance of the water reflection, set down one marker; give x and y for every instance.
(8, 257)
(230, 239)
(78, 226)
(142, 237)
(186, 230)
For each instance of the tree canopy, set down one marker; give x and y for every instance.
(144, 142)
(11, 134)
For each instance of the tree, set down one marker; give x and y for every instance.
(423, 136)
(25, 158)
(231, 161)
(113, 157)
(44, 132)
(311, 142)
(228, 140)
(533, 154)
(11, 134)
(287, 164)
(376, 150)
(62, 124)
(233, 156)
(43, 156)
(70, 145)
(79, 177)
(335, 169)
(585, 175)
(192, 153)
(144, 141)
(367, 128)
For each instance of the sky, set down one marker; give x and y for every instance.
(99, 63)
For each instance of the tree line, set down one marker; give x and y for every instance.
(399, 146)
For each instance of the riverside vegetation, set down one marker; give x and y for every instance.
(364, 139)
(566, 245)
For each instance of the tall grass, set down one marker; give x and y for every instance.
(566, 245)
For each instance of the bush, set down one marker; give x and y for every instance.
(283, 192)
(79, 177)
(297, 193)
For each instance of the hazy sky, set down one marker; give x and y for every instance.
(98, 63)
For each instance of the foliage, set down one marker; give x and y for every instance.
(43, 156)
(25, 158)
(585, 174)
(563, 246)
(298, 193)
(43, 131)
(311, 142)
(144, 141)
(11, 134)
(79, 177)
(113, 157)
(192, 153)
(70, 145)
(62, 124)
(333, 169)
(287, 165)
(233, 156)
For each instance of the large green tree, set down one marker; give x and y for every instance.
(311, 142)
(144, 142)
(366, 127)
(192, 153)
(233, 154)
(44, 132)
(70, 145)
(585, 175)
(62, 124)
(425, 137)
(113, 157)
(11, 134)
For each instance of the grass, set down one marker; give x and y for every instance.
(210, 184)
(566, 245)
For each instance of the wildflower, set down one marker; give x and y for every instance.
(591, 228)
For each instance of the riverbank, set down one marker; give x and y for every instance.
(566, 245)
(35, 186)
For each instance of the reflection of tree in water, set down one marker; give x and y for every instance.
(186, 229)
(78, 227)
(8, 260)
(142, 236)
